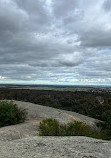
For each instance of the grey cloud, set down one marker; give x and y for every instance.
(98, 66)
(62, 7)
(72, 59)
(91, 24)
(96, 38)
(107, 5)
(39, 18)
(11, 18)
(66, 40)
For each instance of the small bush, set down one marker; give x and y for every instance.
(78, 129)
(62, 130)
(10, 114)
(51, 127)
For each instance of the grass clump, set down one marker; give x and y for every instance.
(10, 114)
(51, 127)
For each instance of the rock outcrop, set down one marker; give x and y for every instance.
(22, 140)
(56, 147)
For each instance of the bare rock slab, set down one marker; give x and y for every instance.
(56, 147)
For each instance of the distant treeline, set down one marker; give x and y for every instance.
(92, 104)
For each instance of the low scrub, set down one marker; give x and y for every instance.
(10, 114)
(51, 127)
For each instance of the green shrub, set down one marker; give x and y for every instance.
(10, 114)
(106, 125)
(78, 129)
(96, 134)
(62, 130)
(51, 127)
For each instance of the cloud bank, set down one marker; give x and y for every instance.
(55, 42)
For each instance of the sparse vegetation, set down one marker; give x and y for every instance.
(51, 127)
(10, 114)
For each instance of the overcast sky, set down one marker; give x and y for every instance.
(55, 41)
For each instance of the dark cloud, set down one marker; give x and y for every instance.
(107, 5)
(12, 18)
